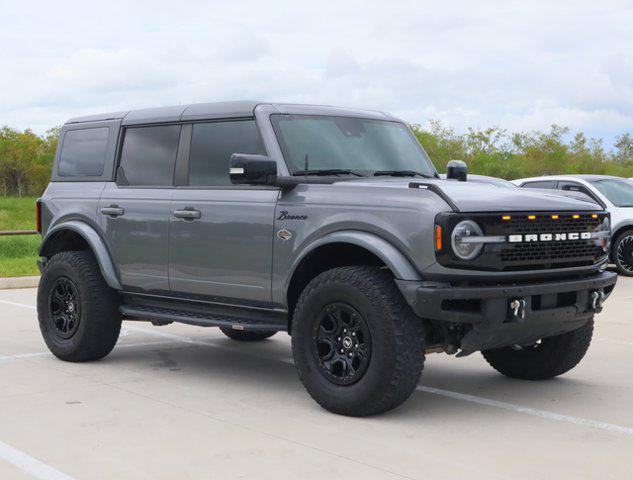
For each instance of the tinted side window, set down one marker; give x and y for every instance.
(83, 152)
(148, 156)
(571, 187)
(212, 145)
(541, 184)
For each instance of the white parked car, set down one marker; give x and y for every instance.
(615, 194)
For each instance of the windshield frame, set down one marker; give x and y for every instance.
(624, 181)
(365, 173)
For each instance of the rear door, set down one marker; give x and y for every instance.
(221, 234)
(133, 212)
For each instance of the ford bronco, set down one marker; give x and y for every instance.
(328, 223)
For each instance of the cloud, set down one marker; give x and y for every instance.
(520, 65)
(111, 71)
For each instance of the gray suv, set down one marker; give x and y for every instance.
(328, 223)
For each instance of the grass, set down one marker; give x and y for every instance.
(18, 254)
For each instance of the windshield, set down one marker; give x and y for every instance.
(619, 192)
(343, 143)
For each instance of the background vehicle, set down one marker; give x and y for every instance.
(328, 223)
(615, 194)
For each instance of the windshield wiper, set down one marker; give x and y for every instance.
(401, 173)
(324, 172)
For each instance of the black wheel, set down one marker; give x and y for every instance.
(357, 345)
(78, 313)
(548, 358)
(246, 336)
(623, 253)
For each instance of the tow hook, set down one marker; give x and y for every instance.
(517, 307)
(597, 297)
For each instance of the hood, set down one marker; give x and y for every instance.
(479, 197)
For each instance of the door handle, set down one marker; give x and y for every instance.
(113, 211)
(188, 214)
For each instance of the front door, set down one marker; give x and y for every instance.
(221, 235)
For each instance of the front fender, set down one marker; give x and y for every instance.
(95, 242)
(399, 265)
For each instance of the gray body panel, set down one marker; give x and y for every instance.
(227, 252)
(138, 240)
(480, 197)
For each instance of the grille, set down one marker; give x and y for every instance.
(552, 254)
(545, 224)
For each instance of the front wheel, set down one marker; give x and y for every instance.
(357, 345)
(547, 358)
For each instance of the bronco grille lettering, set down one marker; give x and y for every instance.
(548, 237)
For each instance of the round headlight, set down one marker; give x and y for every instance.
(464, 249)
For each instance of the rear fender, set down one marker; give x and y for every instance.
(94, 240)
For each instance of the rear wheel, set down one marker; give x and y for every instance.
(548, 358)
(246, 336)
(623, 253)
(357, 345)
(78, 313)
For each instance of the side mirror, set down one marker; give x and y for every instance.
(456, 170)
(250, 169)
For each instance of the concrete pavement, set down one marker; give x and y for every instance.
(188, 403)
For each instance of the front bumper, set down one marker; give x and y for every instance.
(544, 309)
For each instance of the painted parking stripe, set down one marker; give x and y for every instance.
(609, 427)
(118, 346)
(16, 304)
(30, 465)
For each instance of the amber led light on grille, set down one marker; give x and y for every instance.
(594, 215)
(531, 217)
(438, 238)
(506, 217)
(554, 217)
(575, 216)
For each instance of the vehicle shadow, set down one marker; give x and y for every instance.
(267, 365)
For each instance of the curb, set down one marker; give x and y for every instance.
(19, 282)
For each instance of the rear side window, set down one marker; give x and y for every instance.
(212, 145)
(541, 184)
(83, 152)
(148, 156)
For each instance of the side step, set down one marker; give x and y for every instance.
(259, 321)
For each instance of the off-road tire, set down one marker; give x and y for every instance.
(246, 336)
(551, 358)
(99, 322)
(623, 260)
(397, 341)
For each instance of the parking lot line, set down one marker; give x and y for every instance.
(579, 421)
(46, 353)
(30, 465)
(16, 304)
(610, 427)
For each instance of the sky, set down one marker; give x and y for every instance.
(520, 65)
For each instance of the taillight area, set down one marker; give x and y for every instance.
(38, 215)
